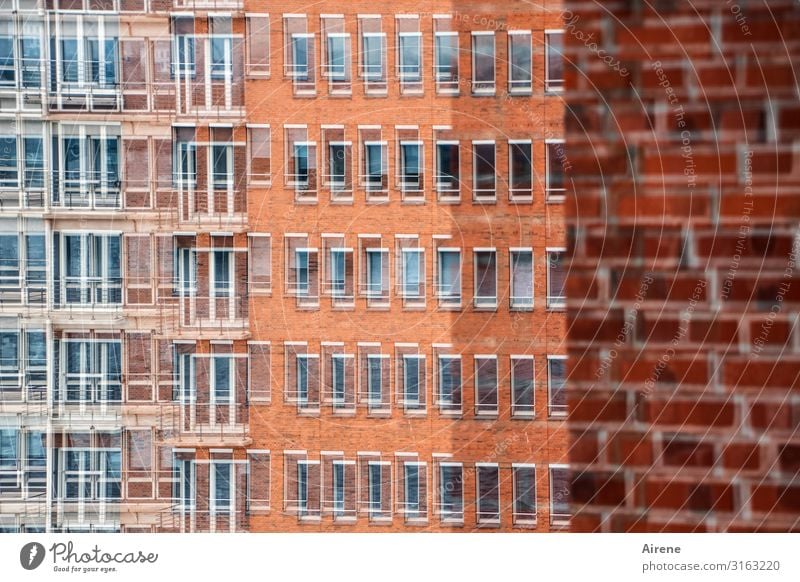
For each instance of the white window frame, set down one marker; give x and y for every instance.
(479, 302)
(514, 303)
(525, 414)
(514, 87)
(551, 412)
(489, 90)
(554, 303)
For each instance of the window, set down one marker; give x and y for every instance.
(337, 57)
(451, 492)
(221, 475)
(376, 284)
(338, 379)
(9, 174)
(37, 349)
(522, 394)
(483, 62)
(7, 74)
(446, 66)
(375, 381)
(9, 260)
(302, 488)
(184, 470)
(554, 61)
(88, 170)
(413, 374)
(447, 167)
(8, 449)
(90, 473)
(91, 271)
(36, 260)
(36, 449)
(185, 157)
(556, 165)
(300, 57)
(375, 166)
(449, 277)
(556, 280)
(556, 385)
(337, 162)
(301, 164)
(559, 494)
(91, 371)
(413, 473)
(338, 488)
(184, 46)
(302, 380)
(338, 271)
(486, 385)
(222, 273)
(520, 70)
(412, 273)
(258, 44)
(222, 173)
(488, 485)
(410, 166)
(521, 279)
(450, 383)
(372, 57)
(520, 169)
(375, 478)
(410, 56)
(34, 162)
(485, 278)
(524, 485)
(222, 377)
(302, 271)
(484, 169)
(221, 46)
(259, 261)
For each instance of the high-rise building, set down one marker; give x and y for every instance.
(272, 266)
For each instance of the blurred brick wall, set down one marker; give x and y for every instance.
(683, 131)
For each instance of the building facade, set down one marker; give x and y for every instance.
(273, 267)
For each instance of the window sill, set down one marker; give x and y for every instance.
(523, 415)
(486, 414)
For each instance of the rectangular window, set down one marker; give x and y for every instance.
(556, 280)
(375, 166)
(449, 277)
(375, 488)
(556, 385)
(411, 489)
(36, 449)
(450, 383)
(524, 484)
(488, 485)
(520, 67)
(413, 371)
(258, 44)
(8, 449)
(337, 162)
(521, 279)
(259, 150)
(7, 73)
(486, 385)
(338, 379)
(9, 173)
(451, 492)
(302, 380)
(222, 273)
(222, 167)
(410, 166)
(302, 272)
(338, 271)
(91, 270)
(302, 488)
(375, 386)
(184, 46)
(221, 48)
(520, 169)
(554, 61)
(483, 63)
(338, 488)
(446, 64)
(484, 170)
(222, 499)
(337, 54)
(301, 152)
(447, 167)
(222, 379)
(373, 57)
(554, 178)
(376, 285)
(9, 260)
(412, 273)
(300, 58)
(522, 393)
(410, 57)
(485, 278)
(34, 162)
(559, 494)
(35, 260)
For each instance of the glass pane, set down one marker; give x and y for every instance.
(410, 65)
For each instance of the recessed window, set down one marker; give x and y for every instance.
(522, 393)
(554, 61)
(483, 63)
(412, 273)
(446, 57)
(520, 69)
(450, 383)
(556, 163)
(520, 169)
(449, 277)
(338, 379)
(451, 491)
(524, 486)
(410, 56)
(556, 280)
(556, 385)
(488, 503)
(447, 167)
(373, 56)
(485, 385)
(300, 68)
(560, 512)
(485, 278)
(410, 166)
(337, 65)
(413, 373)
(521, 279)
(484, 169)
